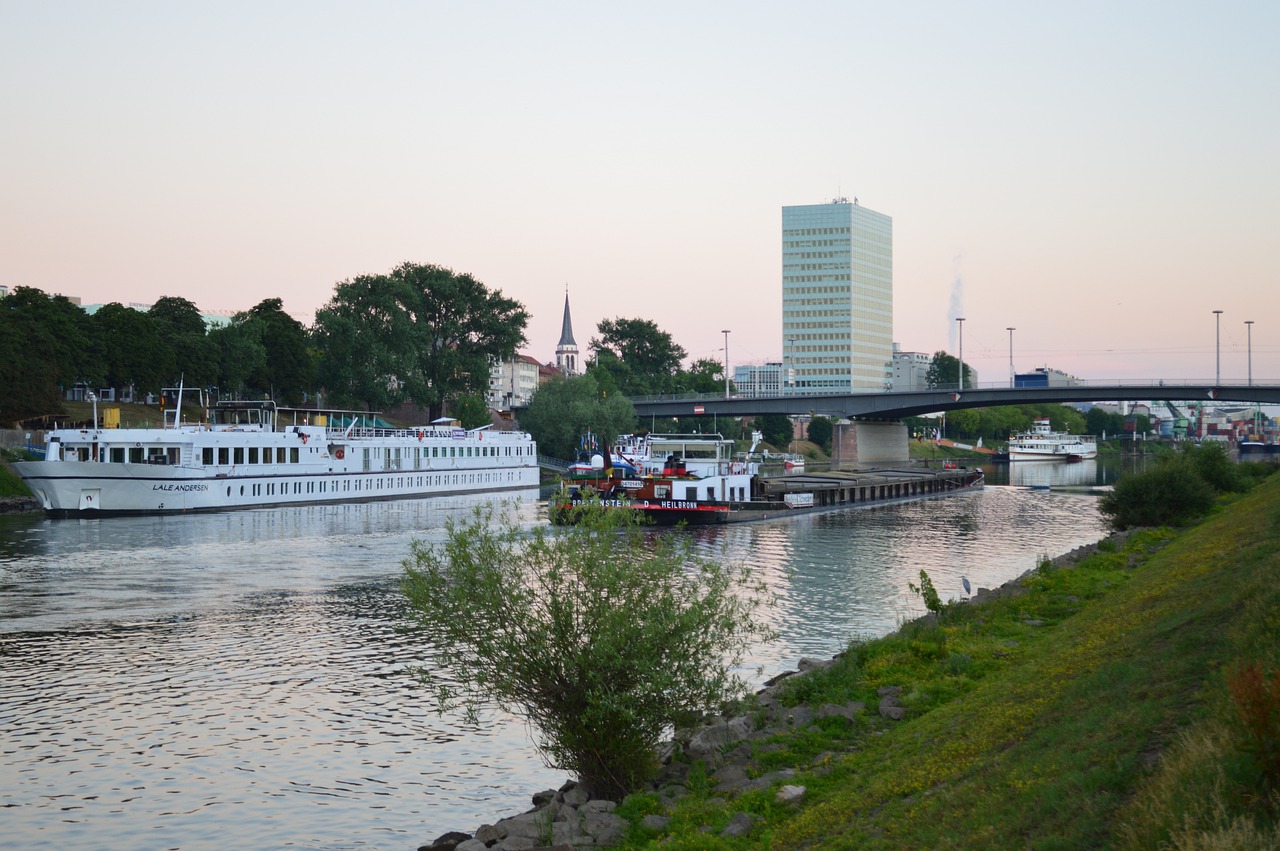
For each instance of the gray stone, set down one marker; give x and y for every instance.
(544, 797)
(730, 778)
(791, 794)
(447, 842)
(740, 825)
(711, 739)
(808, 664)
(889, 691)
(577, 796)
(490, 833)
(471, 845)
(598, 805)
(653, 821)
(597, 828)
(1033, 622)
(889, 706)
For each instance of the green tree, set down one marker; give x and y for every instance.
(65, 330)
(944, 372)
(132, 350)
(563, 409)
(642, 357)
(28, 377)
(600, 637)
(288, 370)
(705, 375)
(182, 327)
(821, 430)
(423, 334)
(471, 411)
(239, 353)
(776, 428)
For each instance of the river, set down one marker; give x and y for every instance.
(244, 679)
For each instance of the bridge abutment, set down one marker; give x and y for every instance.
(859, 444)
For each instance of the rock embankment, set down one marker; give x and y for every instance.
(568, 819)
(15, 504)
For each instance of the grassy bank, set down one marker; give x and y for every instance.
(1088, 707)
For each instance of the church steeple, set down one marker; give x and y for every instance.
(567, 349)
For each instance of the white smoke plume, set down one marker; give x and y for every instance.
(955, 309)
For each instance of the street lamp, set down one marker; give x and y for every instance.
(1011, 372)
(960, 322)
(1248, 324)
(726, 363)
(1217, 347)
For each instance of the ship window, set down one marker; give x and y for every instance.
(293, 455)
(253, 455)
(238, 455)
(224, 457)
(691, 493)
(206, 456)
(280, 455)
(117, 455)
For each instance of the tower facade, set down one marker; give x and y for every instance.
(837, 298)
(567, 349)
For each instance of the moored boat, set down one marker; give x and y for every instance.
(696, 480)
(255, 454)
(1044, 444)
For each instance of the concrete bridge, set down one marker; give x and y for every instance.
(875, 434)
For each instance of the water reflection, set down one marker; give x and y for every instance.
(244, 679)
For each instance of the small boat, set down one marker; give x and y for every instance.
(696, 479)
(255, 454)
(1044, 444)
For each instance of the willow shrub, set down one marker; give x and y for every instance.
(601, 636)
(1178, 489)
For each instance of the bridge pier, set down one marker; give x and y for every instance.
(858, 444)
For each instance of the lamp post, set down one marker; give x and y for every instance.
(1217, 347)
(1011, 372)
(960, 322)
(1248, 324)
(726, 363)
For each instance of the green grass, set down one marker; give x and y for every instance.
(1089, 711)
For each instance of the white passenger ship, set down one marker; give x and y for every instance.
(1043, 444)
(253, 454)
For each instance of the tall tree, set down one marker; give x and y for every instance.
(944, 372)
(288, 371)
(239, 353)
(423, 334)
(67, 331)
(642, 357)
(132, 349)
(181, 324)
(705, 375)
(28, 376)
(565, 408)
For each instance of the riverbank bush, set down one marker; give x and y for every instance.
(601, 636)
(1179, 488)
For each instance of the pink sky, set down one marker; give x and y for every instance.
(1102, 177)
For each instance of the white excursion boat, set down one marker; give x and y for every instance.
(1043, 444)
(254, 454)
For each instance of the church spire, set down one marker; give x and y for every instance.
(566, 329)
(567, 349)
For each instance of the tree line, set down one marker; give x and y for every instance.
(420, 334)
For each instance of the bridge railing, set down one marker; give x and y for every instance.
(1162, 383)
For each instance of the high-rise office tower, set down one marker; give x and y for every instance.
(837, 298)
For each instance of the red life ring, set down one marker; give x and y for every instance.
(304, 438)
(339, 454)
(419, 435)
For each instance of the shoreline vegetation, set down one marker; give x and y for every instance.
(1126, 695)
